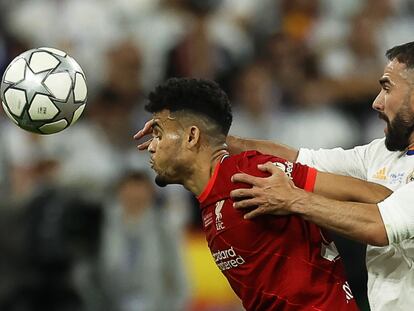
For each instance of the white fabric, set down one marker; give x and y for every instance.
(390, 268)
(398, 214)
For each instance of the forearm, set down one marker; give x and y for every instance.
(345, 188)
(238, 144)
(358, 221)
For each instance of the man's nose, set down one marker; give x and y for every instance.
(378, 103)
(151, 147)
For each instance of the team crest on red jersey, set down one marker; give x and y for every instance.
(219, 215)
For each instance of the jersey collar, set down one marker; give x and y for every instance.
(203, 196)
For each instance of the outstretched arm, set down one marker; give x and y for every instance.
(277, 195)
(237, 144)
(357, 221)
(345, 188)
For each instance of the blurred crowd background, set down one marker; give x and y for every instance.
(82, 226)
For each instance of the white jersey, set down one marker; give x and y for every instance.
(390, 268)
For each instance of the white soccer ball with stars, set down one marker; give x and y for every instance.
(43, 90)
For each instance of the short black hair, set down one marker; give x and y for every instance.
(199, 96)
(403, 53)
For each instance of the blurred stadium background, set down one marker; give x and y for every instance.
(82, 227)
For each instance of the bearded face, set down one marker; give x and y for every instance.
(395, 105)
(399, 130)
(399, 133)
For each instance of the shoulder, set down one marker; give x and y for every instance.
(254, 156)
(247, 161)
(376, 144)
(376, 151)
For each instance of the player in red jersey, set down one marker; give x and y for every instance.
(276, 263)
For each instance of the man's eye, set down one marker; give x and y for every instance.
(386, 87)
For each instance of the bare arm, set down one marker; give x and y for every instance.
(278, 196)
(238, 144)
(345, 188)
(358, 221)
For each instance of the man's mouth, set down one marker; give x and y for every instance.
(383, 117)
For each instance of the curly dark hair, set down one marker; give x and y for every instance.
(199, 96)
(403, 53)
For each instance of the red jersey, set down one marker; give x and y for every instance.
(272, 263)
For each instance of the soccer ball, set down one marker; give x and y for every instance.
(43, 90)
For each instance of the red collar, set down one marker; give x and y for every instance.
(206, 192)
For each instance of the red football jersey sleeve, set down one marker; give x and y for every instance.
(272, 263)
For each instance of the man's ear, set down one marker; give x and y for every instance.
(193, 137)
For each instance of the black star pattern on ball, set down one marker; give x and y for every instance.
(6, 85)
(67, 64)
(33, 84)
(28, 124)
(66, 109)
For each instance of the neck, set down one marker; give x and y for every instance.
(203, 168)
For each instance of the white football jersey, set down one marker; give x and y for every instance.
(390, 268)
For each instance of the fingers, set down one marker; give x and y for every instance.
(247, 203)
(291, 183)
(256, 181)
(242, 193)
(260, 211)
(271, 168)
(147, 129)
(145, 145)
(247, 179)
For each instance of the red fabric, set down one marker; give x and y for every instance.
(204, 195)
(272, 263)
(310, 180)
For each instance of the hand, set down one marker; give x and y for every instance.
(145, 131)
(271, 195)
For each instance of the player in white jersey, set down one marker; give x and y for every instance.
(387, 227)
